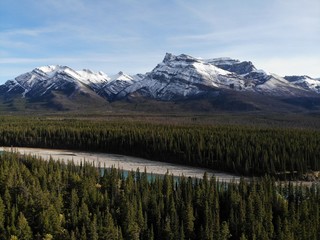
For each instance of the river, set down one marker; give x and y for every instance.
(126, 163)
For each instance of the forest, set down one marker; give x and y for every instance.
(53, 200)
(285, 153)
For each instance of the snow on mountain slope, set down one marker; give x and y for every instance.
(94, 80)
(89, 77)
(121, 76)
(183, 76)
(61, 78)
(278, 86)
(11, 87)
(232, 65)
(305, 82)
(43, 80)
(176, 77)
(117, 83)
(261, 81)
(85, 76)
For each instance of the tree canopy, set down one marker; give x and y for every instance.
(52, 200)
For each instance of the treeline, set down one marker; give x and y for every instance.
(52, 200)
(286, 153)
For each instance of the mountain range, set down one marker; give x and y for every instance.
(178, 82)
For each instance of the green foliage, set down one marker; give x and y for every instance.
(23, 229)
(284, 153)
(81, 204)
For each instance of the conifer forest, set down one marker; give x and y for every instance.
(55, 200)
(246, 150)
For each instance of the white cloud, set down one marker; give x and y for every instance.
(130, 34)
(34, 32)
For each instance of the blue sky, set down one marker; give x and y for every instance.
(279, 36)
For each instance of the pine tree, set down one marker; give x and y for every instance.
(93, 229)
(83, 235)
(109, 230)
(189, 221)
(243, 237)
(225, 232)
(182, 234)
(23, 229)
(48, 237)
(2, 217)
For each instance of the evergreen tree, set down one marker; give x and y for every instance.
(24, 231)
(65, 201)
(225, 232)
(2, 217)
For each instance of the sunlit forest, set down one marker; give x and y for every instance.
(51, 200)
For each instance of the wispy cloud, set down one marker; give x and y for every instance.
(131, 34)
(33, 32)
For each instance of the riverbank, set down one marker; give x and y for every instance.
(123, 162)
(128, 163)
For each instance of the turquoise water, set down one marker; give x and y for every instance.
(150, 176)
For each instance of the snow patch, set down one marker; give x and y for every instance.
(24, 93)
(121, 77)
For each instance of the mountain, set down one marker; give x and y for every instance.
(305, 82)
(117, 84)
(183, 77)
(182, 82)
(57, 87)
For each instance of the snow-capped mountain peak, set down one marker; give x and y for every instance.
(43, 80)
(49, 68)
(176, 77)
(185, 61)
(233, 65)
(184, 76)
(305, 82)
(169, 57)
(122, 77)
(91, 78)
(117, 84)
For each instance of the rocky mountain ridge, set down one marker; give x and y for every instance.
(176, 78)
